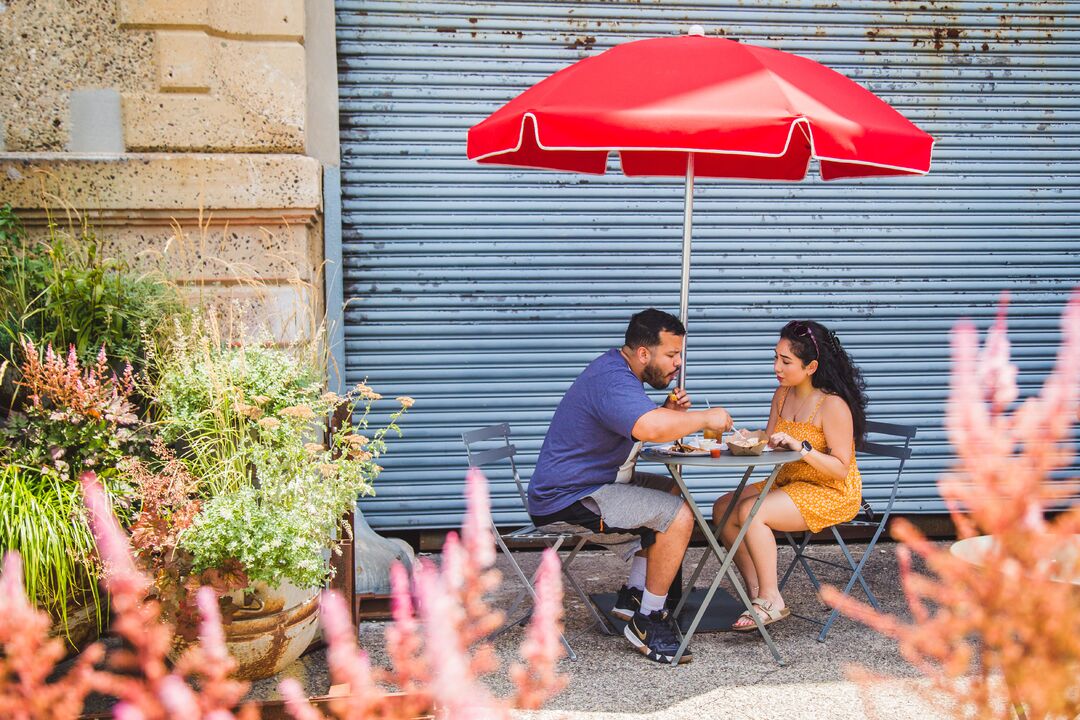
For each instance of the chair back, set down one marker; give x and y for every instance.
(890, 440)
(489, 445)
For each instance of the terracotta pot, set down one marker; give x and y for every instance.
(272, 629)
(82, 626)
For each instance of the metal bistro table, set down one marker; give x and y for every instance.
(775, 460)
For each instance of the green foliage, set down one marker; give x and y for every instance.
(245, 419)
(279, 526)
(62, 291)
(209, 393)
(75, 419)
(42, 517)
(11, 230)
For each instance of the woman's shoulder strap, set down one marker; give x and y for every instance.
(783, 398)
(817, 406)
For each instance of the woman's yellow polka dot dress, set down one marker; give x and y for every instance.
(822, 501)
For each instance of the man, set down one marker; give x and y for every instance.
(585, 473)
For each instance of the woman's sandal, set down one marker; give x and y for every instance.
(766, 612)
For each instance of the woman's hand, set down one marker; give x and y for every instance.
(784, 440)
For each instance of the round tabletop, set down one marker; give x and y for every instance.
(726, 460)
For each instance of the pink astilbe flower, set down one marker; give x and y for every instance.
(537, 678)
(997, 375)
(95, 393)
(209, 661)
(28, 656)
(139, 677)
(476, 530)
(454, 687)
(404, 644)
(1001, 635)
(439, 656)
(140, 668)
(348, 664)
(296, 701)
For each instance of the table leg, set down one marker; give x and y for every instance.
(716, 532)
(726, 558)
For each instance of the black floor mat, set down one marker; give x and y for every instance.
(723, 611)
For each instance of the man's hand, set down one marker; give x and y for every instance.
(718, 421)
(677, 399)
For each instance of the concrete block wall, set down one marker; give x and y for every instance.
(161, 119)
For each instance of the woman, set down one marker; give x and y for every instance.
(819, 410)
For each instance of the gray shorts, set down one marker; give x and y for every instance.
(644, 502)
(630, 513)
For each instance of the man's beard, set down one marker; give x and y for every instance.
(655, 377)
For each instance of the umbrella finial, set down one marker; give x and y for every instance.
(696, 30)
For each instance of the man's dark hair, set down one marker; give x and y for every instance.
(645, 326)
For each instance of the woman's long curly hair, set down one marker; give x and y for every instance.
(836, 373)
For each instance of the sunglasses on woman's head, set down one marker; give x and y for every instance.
(801, 329)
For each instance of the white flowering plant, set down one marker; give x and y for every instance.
(210, 389)
(278, 523)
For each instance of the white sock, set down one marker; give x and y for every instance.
(651, 603)
(637, 573)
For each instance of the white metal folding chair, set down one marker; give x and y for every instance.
(895, 444)
(490, 446)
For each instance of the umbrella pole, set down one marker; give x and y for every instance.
(688, 230)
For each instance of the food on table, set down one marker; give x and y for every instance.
(747, 442)
(684, 447)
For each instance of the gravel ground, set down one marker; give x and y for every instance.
(732, 675)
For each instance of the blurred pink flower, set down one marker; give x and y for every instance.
(997, 376)
(476, 530)
(455, 691)
(537, 677)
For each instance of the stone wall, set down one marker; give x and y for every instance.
(168, 119)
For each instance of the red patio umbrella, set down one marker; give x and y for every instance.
(699, 106)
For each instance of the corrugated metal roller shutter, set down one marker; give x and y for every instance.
(483, 292)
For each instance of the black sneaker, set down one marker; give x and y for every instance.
(655, 637)
(627, 603)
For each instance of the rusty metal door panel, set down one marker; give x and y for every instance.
(483, 292)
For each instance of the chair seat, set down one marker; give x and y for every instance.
(531, 532)
(858, 523)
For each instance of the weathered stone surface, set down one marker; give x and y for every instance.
(201, 123)
(151, 13)
(51, 48)
(230, 227)
(222, 249)
(266, 18)
(278, 19)
(164, 182)
(183, 61)
(255, 102)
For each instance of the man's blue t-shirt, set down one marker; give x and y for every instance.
(590, 435)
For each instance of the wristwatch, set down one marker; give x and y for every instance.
(806, 448)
